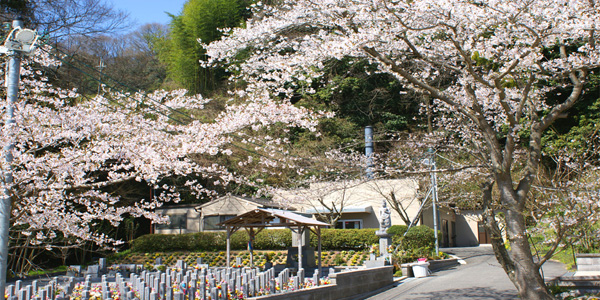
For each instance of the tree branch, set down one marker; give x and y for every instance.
(560, 234)
(432, 90)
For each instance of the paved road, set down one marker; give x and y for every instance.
(480, 278)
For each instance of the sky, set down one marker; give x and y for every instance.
(149, 11)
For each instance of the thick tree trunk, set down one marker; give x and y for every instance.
(526, 274)
(518, 262)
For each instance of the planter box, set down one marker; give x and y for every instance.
(439, 264)
(434, 265)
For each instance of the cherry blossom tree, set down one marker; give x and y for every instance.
(569, 194)
(71, 150)
(503, 57)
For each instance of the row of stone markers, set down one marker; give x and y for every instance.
(34, 291)
(178, 283)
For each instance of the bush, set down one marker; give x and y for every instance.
(397, 230)
(417, 237)
(345, 239)
(272, 239)
(420, 237)
(339, 260)
(418, 242)
(211, 241)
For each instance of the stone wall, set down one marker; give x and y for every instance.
(588, 262)
(345, 285)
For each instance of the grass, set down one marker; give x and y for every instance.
(47, 271)
(565, 257)
(563, 254)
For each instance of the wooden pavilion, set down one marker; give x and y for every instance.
(258, 219)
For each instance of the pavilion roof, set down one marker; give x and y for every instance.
(269, 217)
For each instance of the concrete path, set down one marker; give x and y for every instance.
(480, 278)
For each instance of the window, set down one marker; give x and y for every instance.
(210, 222)
(177, 222)
(349, 224)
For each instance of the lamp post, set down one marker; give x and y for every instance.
(19, 41)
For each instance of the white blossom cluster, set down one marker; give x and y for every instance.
(495, 49)
(70, 149)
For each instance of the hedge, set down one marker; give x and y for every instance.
(211, 241)
(272, 239)
(345, 239)
(281, 239)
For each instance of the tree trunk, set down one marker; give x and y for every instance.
(526, 277)
(520, 266)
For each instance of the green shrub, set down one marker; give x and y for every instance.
(397, 230)
(417, 237)
(418, 242)
(211, 241)
(273, 239)
(346, 239)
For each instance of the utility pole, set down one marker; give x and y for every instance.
(100, 67)
(19, 41)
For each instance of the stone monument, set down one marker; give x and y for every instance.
(385, 223)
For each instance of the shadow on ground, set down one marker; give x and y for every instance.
(469, 293)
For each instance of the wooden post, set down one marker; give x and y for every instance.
(250, 246)
(320, 267)
(228, 245)
(300, 232)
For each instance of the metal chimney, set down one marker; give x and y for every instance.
(369, 150)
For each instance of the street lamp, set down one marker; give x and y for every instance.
(18, 42)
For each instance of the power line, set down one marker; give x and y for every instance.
(122, 105)
(190, 118)
(127, 87)
(102, 82)
(179, 121)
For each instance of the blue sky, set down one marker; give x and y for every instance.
(149, 11)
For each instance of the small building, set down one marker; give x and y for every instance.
(183, 219)
(358, 205)
(469, 222)
(189, 218)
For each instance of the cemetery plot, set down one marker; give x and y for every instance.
(181, 282)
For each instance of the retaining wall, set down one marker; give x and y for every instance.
(345, 285)
(588, 262)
